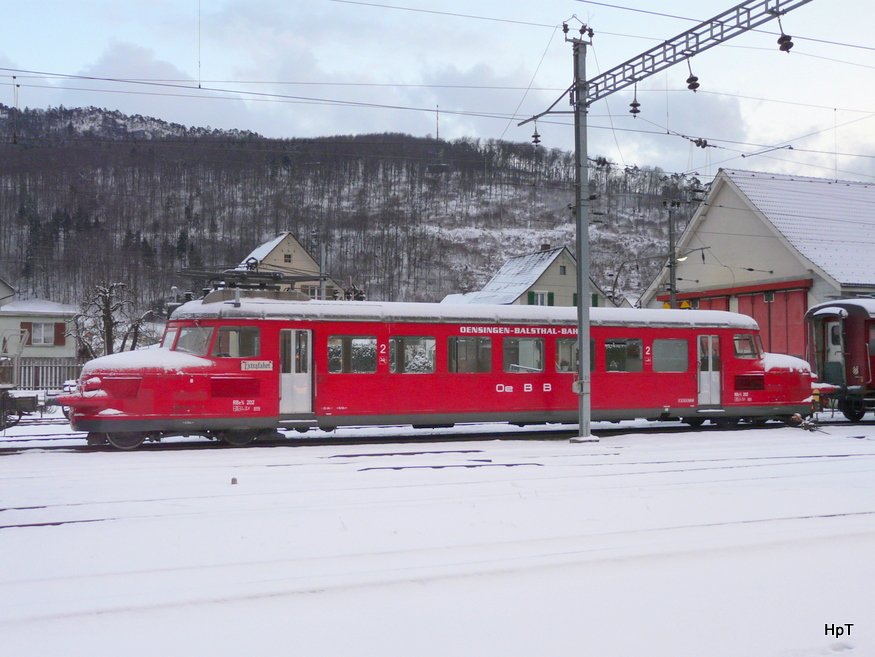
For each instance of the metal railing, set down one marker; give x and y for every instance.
(47, 373)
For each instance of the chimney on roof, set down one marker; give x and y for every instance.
(545, 247)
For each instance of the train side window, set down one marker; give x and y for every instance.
(523, 355)
(194, 339)
(623, 355)
(169, 337)
(871, 339)
(566, 355)
(237, 342)
(470, 354)
(745, 346)
(352, 354)
(671, 355)
(411, 355)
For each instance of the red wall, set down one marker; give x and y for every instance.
(780, 320)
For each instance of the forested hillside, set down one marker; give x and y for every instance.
(94, 197)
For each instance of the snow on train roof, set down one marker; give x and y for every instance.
(865, 304)
(362, 311)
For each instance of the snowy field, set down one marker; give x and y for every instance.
(710, 544)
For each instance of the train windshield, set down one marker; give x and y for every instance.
(194, 340)
(748, 346)
(169, 337)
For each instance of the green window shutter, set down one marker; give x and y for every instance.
(550, 298)
(531, 298)
(574, 300)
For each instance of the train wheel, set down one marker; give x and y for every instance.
(126, 440)
(693, 421)
(96, 438)
(237, 438)
(853, 409)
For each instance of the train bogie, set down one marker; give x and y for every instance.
(237, 370)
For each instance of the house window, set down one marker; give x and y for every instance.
(563, 270)
(311, 291)
(540, 298)
(42, 334)
(287, 258)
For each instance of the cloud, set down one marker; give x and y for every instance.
(164, 91)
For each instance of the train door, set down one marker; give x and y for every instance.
(834, 353)
(296, 367)
(709, 370)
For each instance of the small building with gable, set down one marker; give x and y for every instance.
(286, 255)
(545, 278)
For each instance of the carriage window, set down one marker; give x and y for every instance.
(409, 355)
(670, 356)
(835, 335)
(470, 354)
(566, 355)
(871, 339)
(623, 355)
(169, 337)
(352, 354)
(746, 347)
(194, 340)
(523, 355)
(237, 342)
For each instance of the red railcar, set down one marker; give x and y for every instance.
(232, 369)
(842, 351)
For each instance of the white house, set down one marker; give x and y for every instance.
(37, 330)
(771, 246)
(545, 278)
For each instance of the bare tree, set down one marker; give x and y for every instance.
(108, 322)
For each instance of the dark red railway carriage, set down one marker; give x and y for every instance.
(842, 351)
(232, 369)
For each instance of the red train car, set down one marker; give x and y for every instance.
(842, 351)
(232, 368)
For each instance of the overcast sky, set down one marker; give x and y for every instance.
(304, 68)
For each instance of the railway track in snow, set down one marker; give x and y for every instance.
(10, 442)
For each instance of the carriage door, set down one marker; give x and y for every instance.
(709, 370)
(834, 361)
(296, 365)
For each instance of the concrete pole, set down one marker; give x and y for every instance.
(582, 243)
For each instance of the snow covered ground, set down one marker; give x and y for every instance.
(709, 544)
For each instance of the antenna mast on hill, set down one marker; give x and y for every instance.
(582, 93)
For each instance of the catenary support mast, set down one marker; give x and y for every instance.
(707, 34)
